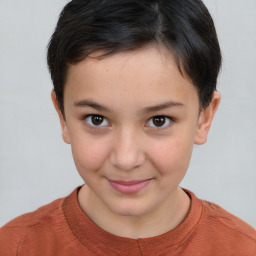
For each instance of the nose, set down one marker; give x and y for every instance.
(127, 152)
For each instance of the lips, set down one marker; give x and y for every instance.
(129, 187)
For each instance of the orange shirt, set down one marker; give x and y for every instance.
(62, 229)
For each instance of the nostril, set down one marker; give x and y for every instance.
(127, 152)
(127, 160)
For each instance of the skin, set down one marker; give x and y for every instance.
(128, 145)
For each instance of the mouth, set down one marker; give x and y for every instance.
(129, 187)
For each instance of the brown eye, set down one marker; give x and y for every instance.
(96, 120)
(159, 121)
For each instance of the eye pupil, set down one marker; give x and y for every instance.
(97, 120)
(159, 120)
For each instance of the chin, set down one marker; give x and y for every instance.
(130, 209)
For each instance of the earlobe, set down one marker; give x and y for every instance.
(65, 133)
(205, 119)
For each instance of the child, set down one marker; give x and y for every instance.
(135, 89)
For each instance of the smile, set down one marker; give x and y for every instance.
(129, 187)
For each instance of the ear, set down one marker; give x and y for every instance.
(64, 128)
(205, 119)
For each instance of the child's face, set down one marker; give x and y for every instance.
(135, 150)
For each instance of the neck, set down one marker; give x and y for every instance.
(163, 219)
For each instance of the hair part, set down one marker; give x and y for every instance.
(184, 27)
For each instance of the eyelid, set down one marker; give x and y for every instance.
(107, 123)
(96, 126)
(171, 120)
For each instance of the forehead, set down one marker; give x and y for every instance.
(146, 74)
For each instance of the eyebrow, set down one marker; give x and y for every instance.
(92, 104)
(97, 106)
(162, 106)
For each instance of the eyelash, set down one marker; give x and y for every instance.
(166, 118)
(87, 118)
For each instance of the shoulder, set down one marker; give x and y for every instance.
(227, 230)
(35, 217)
(15, 232)
(227, 220)
(218, 231)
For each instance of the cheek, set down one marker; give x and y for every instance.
(172, 157)
(89, 154)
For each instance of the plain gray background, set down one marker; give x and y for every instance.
(36, 167)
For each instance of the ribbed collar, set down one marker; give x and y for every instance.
(98, 240)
